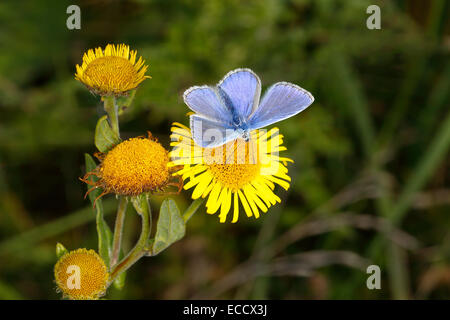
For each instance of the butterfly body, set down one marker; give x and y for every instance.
(232, 109)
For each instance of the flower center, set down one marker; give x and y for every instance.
(81, 274)
(234, 164)
(113, 73)
(135, 166)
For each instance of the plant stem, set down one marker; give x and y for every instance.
(111, 108)
(192, 209)
(143, 208)
(118, 230)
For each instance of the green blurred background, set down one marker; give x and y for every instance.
(371, 181)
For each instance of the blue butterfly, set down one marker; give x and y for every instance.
(231, 109)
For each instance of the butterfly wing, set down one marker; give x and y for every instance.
(240, 90)
(205, 101)
(220, 110)
(209, 133)
(281, 101)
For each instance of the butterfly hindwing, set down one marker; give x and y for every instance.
(281, 101)
(209, 133)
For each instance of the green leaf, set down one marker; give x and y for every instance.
(105, 236)
(170, 227)
(90, 166)
(60, 250)
(105, 137)
(124, 102)
(140, 203)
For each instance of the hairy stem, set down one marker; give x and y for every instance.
(111, 108)
(118, 230)
(142, 206)
(192, 209)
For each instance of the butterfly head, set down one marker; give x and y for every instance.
(244, 133)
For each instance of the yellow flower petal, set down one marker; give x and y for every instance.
(240, 171)
(111, 71)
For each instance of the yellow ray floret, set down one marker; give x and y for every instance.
(239, 172)
(81, 275)
(112, 71)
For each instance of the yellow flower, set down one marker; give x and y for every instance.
(240, 171)
(113, 71)
(132, 167)
(81, 275)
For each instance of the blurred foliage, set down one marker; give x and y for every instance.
(371, 173)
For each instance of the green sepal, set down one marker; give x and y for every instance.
(105, 137)
(170, 227)
(60, 250)
(105, 236)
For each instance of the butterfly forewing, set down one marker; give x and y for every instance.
(240, 90)
(205, 101)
